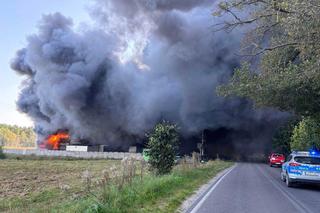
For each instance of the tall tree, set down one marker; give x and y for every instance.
(285, 38)
(306, 134)
(282, 139)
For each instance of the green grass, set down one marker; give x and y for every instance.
(152, 194)
(28, 185)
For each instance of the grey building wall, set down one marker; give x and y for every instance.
(86, 155)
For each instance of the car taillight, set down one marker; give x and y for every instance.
(294, 164)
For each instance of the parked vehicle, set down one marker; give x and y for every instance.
(276, 159)
(301, 167)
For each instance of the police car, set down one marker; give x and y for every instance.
(301, 167)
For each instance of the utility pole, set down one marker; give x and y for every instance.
(202, 145)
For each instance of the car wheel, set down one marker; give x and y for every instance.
(271, 165)
(282, 177)
(289, 183)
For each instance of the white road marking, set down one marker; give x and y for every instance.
(297, 204)
(213, 187)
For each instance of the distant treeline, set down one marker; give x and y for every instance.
(15, 136)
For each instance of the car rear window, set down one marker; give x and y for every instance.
(308, 160)
(277, 155)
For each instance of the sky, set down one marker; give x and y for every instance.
(18, 19)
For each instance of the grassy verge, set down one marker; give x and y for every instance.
(152, 194)
(43, 185)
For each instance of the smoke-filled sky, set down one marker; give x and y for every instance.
(136, 63)
(19, 18)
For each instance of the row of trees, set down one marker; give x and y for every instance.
(284, 40)
(14, 136)
(297, 135)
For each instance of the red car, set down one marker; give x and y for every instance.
(276, 159)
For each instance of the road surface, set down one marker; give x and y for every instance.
(257, 188)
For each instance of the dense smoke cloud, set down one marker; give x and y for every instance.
(143, 61)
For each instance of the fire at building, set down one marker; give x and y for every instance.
(223, 143)
(56, 141)
(61, 140)
(111, 89)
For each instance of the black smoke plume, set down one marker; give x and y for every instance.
(143, 61)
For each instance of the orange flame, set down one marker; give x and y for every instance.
(53, 141)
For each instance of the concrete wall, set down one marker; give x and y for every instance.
(87, 155)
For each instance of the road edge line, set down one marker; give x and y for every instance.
(296, 203)
(195, 206)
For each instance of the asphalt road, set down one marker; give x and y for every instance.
(257, 188)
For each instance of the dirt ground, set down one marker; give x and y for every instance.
(20, 178)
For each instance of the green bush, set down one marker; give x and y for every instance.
(282, 138)
(162, 145)
(2, 155)
(306, 134)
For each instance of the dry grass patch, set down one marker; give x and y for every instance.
(42, 185)
(24, 181)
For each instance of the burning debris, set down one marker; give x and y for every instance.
(148, 61)
(56, 141)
